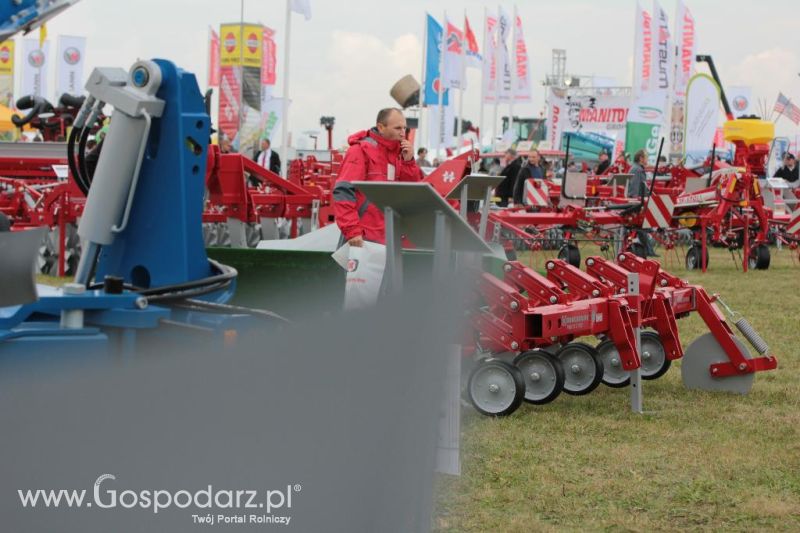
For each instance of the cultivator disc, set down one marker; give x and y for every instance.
(701, 354)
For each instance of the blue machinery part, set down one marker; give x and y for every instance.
(142, 228)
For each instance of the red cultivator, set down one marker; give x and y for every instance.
(526, 326)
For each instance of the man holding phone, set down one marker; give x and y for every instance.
(381, 153)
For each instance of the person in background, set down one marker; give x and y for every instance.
(268, 158)
(511, 169)
(495, 167)
(603, 163)
(225, 145)
(436, 162)
(422, 158)
(532, 171)
(789, 170)
(637, 185)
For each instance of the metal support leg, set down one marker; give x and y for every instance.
(487, 202)
(237, 232)
(442, 247)
(636, 374)
(463, 202)
(269, 229)
(394, 251)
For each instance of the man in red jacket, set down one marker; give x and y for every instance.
(380, 154)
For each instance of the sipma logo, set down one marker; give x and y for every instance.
(230, 42)
(36, 58)
(740, 103)
(649, 113)
(72, 55)
(352, 265)
(5, 54)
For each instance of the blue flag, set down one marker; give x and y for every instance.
(432, 60)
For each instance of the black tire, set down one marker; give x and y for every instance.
(759, 257)
(552, 368)
(693, 257)
(584, 378)
(570, 254)
(512, 389)
(639, 250)
(661, 363)
(614, 375)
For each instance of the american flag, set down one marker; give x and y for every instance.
(784, 106)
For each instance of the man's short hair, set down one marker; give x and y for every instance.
(788, 155)
(639, 155)
(421, 151)
(267, 141)
(383, 114)
(511, 152)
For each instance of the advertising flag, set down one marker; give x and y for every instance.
(269, 64)
(34, 68)
(473, 57)
(490, 59)
(69, 65)
(454, 58)
(522, 82)
(213, 58)
(642, 51)
(503, 60)
(433, 81)
(662, 53)
(702, 117)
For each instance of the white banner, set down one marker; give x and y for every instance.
(607, 115)
(454, 57)
(34, 68)
(741, 100)
(271, 116)
(663, 56)
(642, 51)
(489, 78)
(702, 117)
(69, 65)
(522, 80)
(503, 59)
(687, 48)
(441, 127)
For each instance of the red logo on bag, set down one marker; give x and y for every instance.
(352, 265)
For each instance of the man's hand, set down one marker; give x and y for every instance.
(357, 241)
(406, 150)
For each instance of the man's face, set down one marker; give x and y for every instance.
(535, 158)
(395, 127)
(603, 156)
(265, 144)
(789, 162)
(423, 154)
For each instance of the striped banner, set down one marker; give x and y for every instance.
(536, 193)
(794, 222)
(659, 212)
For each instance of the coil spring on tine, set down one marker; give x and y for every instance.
(752, 336)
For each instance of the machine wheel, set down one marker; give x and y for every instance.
(613, 374)
(693, 257)
(639, 249)
(654, 359)
(583, 369)
(496, 388)
(543, 375)
(570, 254)
(759, 257)
(700, 355)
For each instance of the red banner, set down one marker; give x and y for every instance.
(213, 59)
(269, 63)
(229, 98)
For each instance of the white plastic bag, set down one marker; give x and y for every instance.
(364, 266)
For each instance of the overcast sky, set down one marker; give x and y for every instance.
(347, 57)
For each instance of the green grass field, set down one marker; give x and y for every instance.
(696, 461)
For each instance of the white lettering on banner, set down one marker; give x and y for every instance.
(687, 46)
(647, 49)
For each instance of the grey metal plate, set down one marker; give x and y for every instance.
(417, 204)
(18, 253)
(700, 355)
(48, 150)
(477, 185)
